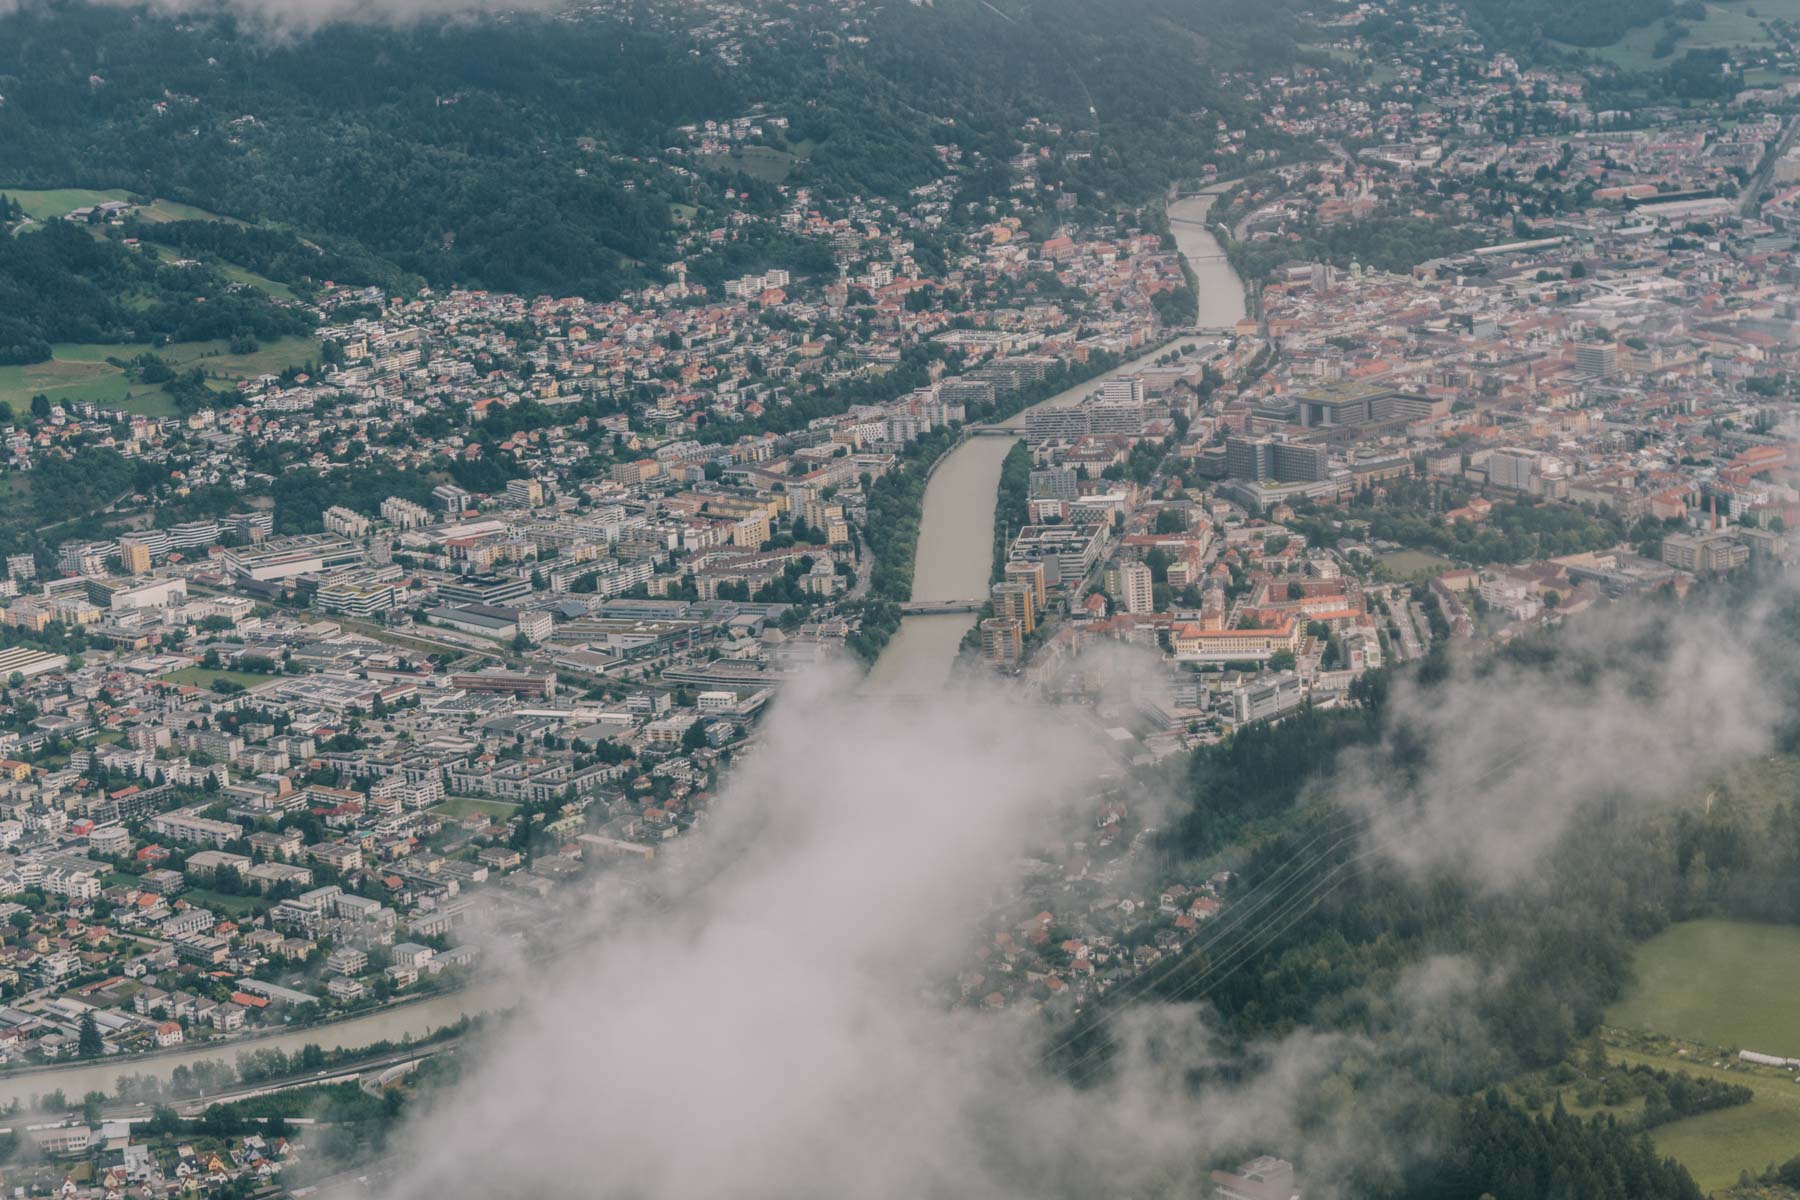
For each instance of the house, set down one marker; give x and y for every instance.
(1264, 1178)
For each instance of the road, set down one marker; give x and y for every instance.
(1749, 201)
(196, 1105)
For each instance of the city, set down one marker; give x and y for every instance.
(346, 655)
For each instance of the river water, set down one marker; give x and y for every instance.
(382, 1025)
(956, 532)
(955, 559)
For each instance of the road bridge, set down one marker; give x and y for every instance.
(931, 608)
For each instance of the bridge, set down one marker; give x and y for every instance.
(932, 608)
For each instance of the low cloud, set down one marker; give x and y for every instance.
(765, 1014)
(1640, 705)
(775, 1021)
(288, 18)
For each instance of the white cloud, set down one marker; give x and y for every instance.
(775, 1023)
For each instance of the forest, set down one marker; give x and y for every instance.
(1515, 531)
(62, 284)
(531, 155)
(274, 253)
(1526, 24)
(1552, 955)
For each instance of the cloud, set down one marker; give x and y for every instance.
(775, 1022)
(285, 18)
(766, 1013)
(1641, 705)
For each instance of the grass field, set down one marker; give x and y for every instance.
(1726, 25)
(230, 270)
(175, 210)
(268, 287)
(759, 162)
(79, 372)
(64, 380)
(207, 676)
(468, 806)
(1410, 565)
(1724, 983)
(231, 906)
(47, 204)
(1715, 1146)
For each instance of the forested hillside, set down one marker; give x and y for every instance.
(62, 284)
(533, 154)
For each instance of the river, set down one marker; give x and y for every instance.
(956, 531)
(955, 559)
(385, 1024)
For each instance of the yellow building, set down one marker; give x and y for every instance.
(134, 557)
(1223, 645)
(750, 532)
(1016, 601)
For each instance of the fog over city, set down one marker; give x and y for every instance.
(775, 1021)
(777, 1029)
(877, 600)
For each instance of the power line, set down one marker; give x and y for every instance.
(1310, 897)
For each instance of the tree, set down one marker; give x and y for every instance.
(40, 406)
(164, 1120)
(89, 1044)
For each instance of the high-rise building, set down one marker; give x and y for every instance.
(1280, 459)
(1137, 588)
(1016, 602)
(345, 521)
(1123, 391)
(1022, 571)
(1059, 483)
(404, 513)
(134, 557)
(251, 526)
(191, 534)
(1597, 358)
(1002, 642)
(1249, 457)
(1046, 422)
(451, 498)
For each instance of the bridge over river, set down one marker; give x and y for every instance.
(954, 558)
(926, 608)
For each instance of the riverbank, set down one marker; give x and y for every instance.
(392, 1023)
(953, 550)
